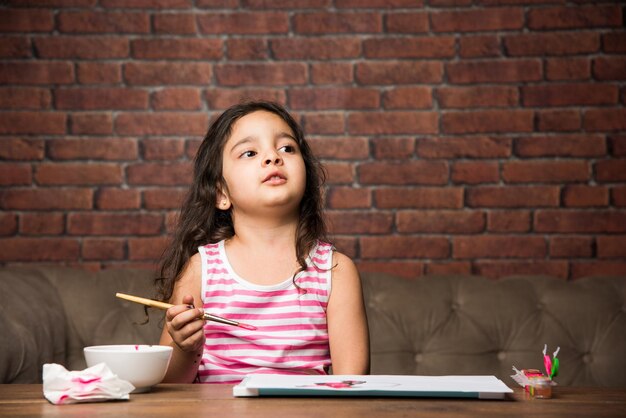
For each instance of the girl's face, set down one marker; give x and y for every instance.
(262, 166)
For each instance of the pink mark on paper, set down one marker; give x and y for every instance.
(86, 381)
(136, 348)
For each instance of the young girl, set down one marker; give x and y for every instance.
(251, 247)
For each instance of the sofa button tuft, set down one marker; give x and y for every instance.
(501, 355)
(587, 358)
(419, 358)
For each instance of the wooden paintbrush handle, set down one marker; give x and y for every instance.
(144, 301)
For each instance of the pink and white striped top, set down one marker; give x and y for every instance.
(292, 333)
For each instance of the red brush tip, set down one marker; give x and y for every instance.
(246, 326)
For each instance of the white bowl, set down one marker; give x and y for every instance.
(142, 365)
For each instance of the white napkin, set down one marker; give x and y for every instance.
(94, 384)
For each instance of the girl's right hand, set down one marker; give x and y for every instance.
(185, 325)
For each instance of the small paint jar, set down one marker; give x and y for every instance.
(540, 387)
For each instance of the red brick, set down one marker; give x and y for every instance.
(586, 17)
(178, 48)
(163, 149)
(425, 47)
(353, 222)
(545, 171)
(399, 72)
(103, 22)
(331, 22)
(48, 198)
(42, 223)
(99, 73)
(339, 173)
(597, 268)
(324, 123)
(477, 20)
(609, 68)
(404, 4)
(172, 174)
(510, 71)
(57, 3)
(406, 269)
(24, 98)
(114, 223)
(605, 120)
(571, 247)
(611, 247)
(513, 196)
(177, 98)
(163, 198)
(26, 20)
(466, 147)
(399, 122)
(423, 197)
(118, 199)
(568, 69)
(508, 221)
(157, 73)
(146, 248)
(217, 98)
(287, 4)
(245, 23)
(347, 245)
(47, 123)
(15, 174)
(540, 44)
(610, 171)
(93, 149)
(147, 4)
(162, 123)
(91, 123)
(404, 247)
(261, 74)
(416, 172)
(449, 268)
(103, 249)
(393, 148)
(15, 47)
(77, 174)
(101, 98)
(41, 72)
(334, 98)
(561, 146)
(559, 120)
(487, 121)
(585, 196)
(490, 246)
(345, 148)
(618, 196)
(440, 221)
(38, 249)
(82, 47)
(614, 42)
(569, 94)
(476, 97)
(21, 149)
(406, 22)
(408, 98)
(331, 73)
(349, 198)
(479, 46)
(618, 145)
(315, 48)
(175, 23)
(501, 268)
(8, 224)
(247, 49)
(475, 172)
(599, 221)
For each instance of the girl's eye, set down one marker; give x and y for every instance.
(248, 154)
(290, 149)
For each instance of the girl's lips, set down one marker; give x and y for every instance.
(274, 178)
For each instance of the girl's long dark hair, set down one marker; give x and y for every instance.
(200, 222)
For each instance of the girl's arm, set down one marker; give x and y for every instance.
(347, 321)
(183, 328)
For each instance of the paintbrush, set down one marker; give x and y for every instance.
(164, 306)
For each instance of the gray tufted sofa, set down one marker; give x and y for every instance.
(427, 325)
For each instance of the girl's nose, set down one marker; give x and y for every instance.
(276, 160)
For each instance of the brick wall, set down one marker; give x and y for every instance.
(482, 136)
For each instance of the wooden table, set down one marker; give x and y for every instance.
(216, 401)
